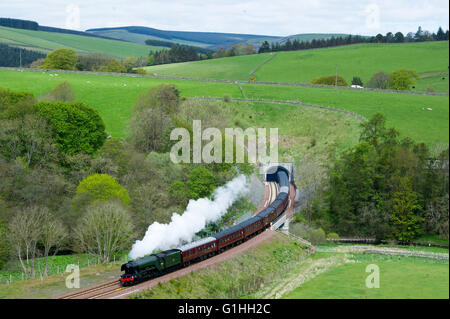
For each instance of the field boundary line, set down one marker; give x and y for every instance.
(259, 66)
(301, 84)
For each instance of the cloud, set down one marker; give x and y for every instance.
(282, 17)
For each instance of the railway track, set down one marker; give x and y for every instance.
(95, 291)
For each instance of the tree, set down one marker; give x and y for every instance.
(405, 219)
(4, 244)
(152, 118)
(129, 63)
(77, 127)
(201, 183)
(399, 38)
(265, 47)
(29, 139)
(403, 79)
(104, 230)
(440, 35)
(61, 59)
(63, 92)
(357, 81)
(419, 34)
(33, 232)
(113, 65)
(437, 216)
(380, 80)
(100, 188)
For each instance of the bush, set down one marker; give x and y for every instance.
(227, 98)
(61, 93)
(100, 187)
(357, 81)
(316, 236)
(329, 80)
(403, 79)
(77, 127)
(141, 71)
(165, 96)
(380, 80)
(61, 59)
(113, 65)
(333, 236)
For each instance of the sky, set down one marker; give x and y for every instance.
(265, 17)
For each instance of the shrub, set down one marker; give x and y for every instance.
(61, 59)
(380, 80)
(316, 236)
(77, 127)
(165, 96)
(333, 236)
(329, 80)
(8, 97)
(61, 93)
(403, 79)
(113, 65)
(357, 81)
(227, 98)
(37, 63)
(100, 188)
(141, 71)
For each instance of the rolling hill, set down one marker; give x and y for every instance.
(210, 40)
(363, 60)
(47, 41)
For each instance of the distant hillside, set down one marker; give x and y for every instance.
(44, 41)
(201, 39)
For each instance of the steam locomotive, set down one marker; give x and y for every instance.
(155, 265)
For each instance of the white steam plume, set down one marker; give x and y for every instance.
(197, 215)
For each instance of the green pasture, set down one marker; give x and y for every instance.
(361, 60)
(113, 97)
(400, 278)
(48, 41)
(231, 68)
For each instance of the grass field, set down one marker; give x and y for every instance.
(48, 41)
(400, 278)
(361, 60)
(113, 97)
(234, 68)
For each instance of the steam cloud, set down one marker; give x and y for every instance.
(197, 215)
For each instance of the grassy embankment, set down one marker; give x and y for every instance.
(48, 41)
(361, 60)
